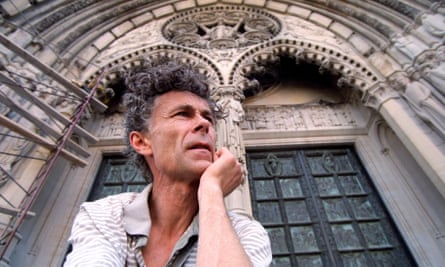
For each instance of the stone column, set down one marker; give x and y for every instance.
(229, 133)
(413, 134)
(428, 154)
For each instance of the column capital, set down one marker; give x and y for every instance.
(378, 94)
(228, 91)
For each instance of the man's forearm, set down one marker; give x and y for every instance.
(218, 244)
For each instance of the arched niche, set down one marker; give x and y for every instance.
(352, 71)
(115, 70)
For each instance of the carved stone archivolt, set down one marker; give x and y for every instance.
(352, 72)
(117, 67)
(221, 27)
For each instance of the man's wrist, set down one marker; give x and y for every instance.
(209, 191)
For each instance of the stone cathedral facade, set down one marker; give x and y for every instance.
(336, 110)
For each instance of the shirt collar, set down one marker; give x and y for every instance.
(136, 215)
(137, 221)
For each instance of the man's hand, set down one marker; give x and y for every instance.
(225, 173)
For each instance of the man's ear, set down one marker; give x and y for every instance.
(140, 143)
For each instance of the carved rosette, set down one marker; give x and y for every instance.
(221, 27)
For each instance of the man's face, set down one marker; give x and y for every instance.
(182, 135)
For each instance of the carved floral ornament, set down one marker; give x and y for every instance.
(221, 27)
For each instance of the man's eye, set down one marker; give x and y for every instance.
(181, 113)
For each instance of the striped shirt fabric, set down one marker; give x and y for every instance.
(111, 232)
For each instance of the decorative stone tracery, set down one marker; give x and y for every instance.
(221, 27)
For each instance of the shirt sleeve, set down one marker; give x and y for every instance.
(253, 238)
(90, 247)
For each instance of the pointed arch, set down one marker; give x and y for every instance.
(351, 70)
(130, 60)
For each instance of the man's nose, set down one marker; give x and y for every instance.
(202, 124)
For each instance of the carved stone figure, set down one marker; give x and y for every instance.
(434, 24)
(432, 66)
(407, 45)
(229, 134)
(435, 74)
(228, 98)
(421, 99)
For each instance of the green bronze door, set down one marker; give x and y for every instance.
(321, 209)
(116, 175)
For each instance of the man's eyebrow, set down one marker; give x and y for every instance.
(206, 111)
(183, 107)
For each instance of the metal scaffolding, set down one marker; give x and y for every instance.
(57, 142)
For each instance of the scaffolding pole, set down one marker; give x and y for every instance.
(15, 222)
(49, 71)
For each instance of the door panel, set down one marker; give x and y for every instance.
(116, 175)
(321, 209)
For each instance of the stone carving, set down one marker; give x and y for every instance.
(379, 94)
(291, 118)
(425, 104)
(434, 24)
(221, 28)
(111, 126)
(409, 46)
(76, 32)
(383, 63)
(361, 16)
(142, 36)
(436, 75)
(229, 135)
(229, 131)
(52, 19)
(401, 7)
(301, 29)
(432, 66)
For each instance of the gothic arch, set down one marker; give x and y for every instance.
(116, 67)
(353, 72)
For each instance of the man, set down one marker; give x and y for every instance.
(180, 218)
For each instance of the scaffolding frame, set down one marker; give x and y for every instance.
(57, 149)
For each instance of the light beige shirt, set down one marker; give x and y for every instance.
(111, 232)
